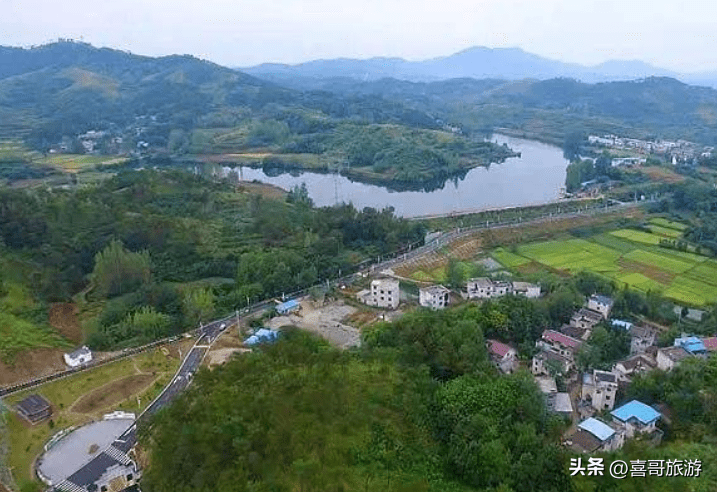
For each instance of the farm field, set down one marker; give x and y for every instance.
(630, 258)
(129, 384)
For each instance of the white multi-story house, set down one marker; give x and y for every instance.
(486, 288)
(385, 293)
(556, 349)
(601, 304)
(526, 289)
(434, 297)
(600, 388)
(480, 288)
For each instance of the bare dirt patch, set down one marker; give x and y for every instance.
(112, 393)
(32, 364)
(63, 318)
(325, 321)
(220, 356)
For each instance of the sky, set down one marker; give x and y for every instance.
(672, 34)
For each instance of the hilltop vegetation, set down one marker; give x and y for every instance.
(150, 253)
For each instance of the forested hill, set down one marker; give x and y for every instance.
(67, 88)
(658, 106)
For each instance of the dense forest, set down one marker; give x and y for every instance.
(418, 407)
(154, 252)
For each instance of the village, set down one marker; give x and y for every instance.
(589, 399)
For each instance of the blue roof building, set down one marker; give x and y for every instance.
(636, 412)
(288, 306)
(692, 344)
(597, 428)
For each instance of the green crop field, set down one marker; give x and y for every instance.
(629, 257)
(508, 259)
(666, 232)
(659, 221)
(637, 236)
(660, 261)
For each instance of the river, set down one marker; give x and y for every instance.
(535, 177)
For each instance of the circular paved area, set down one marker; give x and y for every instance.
(80, 446)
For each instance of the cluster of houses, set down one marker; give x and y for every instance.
(384, 292)
(557, 354)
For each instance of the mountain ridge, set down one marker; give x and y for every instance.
(475, 62)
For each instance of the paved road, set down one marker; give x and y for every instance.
(116, 453)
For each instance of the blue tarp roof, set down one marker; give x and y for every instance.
(262, 335)
(622, 324)
(597, 428)
(644, 413)
(691, 344)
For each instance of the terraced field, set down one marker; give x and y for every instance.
(629, 257)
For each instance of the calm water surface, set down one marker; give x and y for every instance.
(535, 177)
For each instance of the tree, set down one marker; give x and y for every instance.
(118, 271)
(198, 306)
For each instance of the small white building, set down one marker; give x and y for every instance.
(526, 289)
(502, 355)
(434, 297)
(385, 293)
(79, 357)
(481, 288)
(600, 388)
(601, 304)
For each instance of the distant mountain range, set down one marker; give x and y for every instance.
(477, 63)
(65, 89)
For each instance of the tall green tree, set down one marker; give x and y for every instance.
(118, 271)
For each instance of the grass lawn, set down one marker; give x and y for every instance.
(17, 334)
(26, 441)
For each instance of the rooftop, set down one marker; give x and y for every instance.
(691, 344)
(675, 353)
(584, 442)
(80, 352)
(639, 360)
(604, 376)
(645, 414)
(33, 405)
(607, 301)
(555, 336)
(435, 290)
(640, 331)
(597, 428)
(622, 324)
(588, 314)
(498, 348)
(481, 281)
(710, 343)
